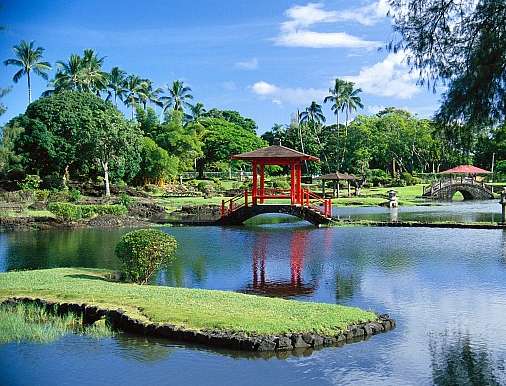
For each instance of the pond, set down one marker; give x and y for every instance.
(445, 287)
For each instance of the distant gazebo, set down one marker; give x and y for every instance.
(336, 177)
(281, 156)
(466, 170)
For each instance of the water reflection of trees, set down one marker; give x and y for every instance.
(73, 248)
(457, 361)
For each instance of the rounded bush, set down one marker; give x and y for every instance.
(143, 252)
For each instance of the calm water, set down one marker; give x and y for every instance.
(445, 287)
(463, 211)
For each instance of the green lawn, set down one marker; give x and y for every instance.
(193, 309)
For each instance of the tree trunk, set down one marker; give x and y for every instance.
(29, 87)
(66, 177)
(105, 166)
(115, 99)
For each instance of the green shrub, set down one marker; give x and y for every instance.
(143, 252)
(379, 177)
(74, 195)
(72, 212)
(66, 211)
(100, 210)
(31, 182)
(42, 194)
(410, 179)
(125, 200)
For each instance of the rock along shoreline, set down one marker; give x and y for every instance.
(212, 338)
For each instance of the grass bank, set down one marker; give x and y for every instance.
(191, 309)
(24, 322)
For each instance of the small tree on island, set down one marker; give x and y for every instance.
(143, 252)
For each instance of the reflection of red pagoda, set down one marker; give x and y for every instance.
(279, 288)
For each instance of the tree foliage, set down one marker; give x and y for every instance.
(69, 132)
(461, 43)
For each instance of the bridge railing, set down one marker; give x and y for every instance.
(245, 199)
(312, 200)
(441, 184)
(234, 203)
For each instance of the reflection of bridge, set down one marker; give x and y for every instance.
(469, 187)
(302, 202)
(261, 285)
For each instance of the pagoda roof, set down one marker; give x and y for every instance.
(466, 169)
(274, 152)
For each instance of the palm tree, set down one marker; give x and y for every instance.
(81, 73)
(147, 94)
(28, 58)
(313, 114)
(133, 88)
(116, 85)
(93, 79)
(336, 97)
(68, 75)
(178, 97)
(313, 117)
(197, 111)
(351, 102)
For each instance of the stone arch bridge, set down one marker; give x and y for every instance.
(468, 187)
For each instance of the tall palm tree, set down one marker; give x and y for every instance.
(313, 114)
(93, 79)
(178, 96)
(197, 111)
(133, 88)
(116, 85)
(81, 73)
(147, 94)
(29, 59)
(351, 102)
(336, 97)
(68, 74)
(313, 117)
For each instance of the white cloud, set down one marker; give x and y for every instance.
(264, 88)
(251, 64)
(313, 39)
(296, 32)
(367, 15)
(295, 96)
(389, 78)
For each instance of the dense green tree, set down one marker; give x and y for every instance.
(28, 58)
(462, 44)
(10, 161)
(222, 139)
(181, 141)
(148, 122)
(71, 133)
(157, 166)
(233, 117)
(178, 96)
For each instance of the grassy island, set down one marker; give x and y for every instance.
(191, 309)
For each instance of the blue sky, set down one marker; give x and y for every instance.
(262, 58)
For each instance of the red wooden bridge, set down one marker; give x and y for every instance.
(259, 200)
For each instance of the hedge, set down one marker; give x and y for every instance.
(74, 212)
